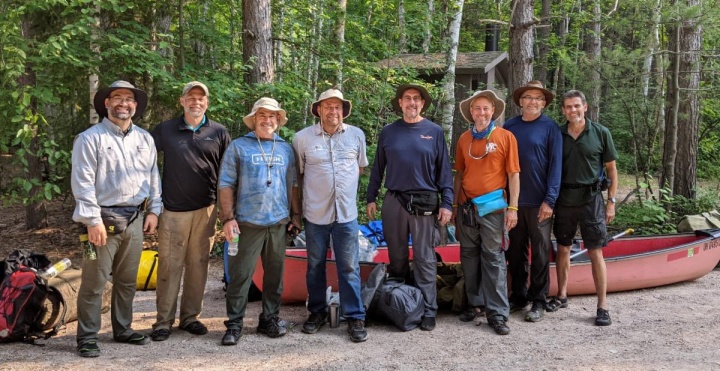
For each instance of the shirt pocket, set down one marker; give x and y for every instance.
(143, 160)
(316, 154)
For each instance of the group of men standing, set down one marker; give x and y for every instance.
(260, 186)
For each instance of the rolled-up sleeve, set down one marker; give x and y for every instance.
(84, 167)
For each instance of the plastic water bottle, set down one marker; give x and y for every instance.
(88, 249)
(233, 242)
(55, 269)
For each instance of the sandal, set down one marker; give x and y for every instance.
(556, 303)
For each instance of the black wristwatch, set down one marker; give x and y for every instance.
(612, 199)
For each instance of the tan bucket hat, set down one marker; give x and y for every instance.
(489, 94)
(332, 93)
(401, 90)
(269, 104)
(140, 97)
(536, 85)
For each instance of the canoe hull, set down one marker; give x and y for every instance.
(632, 263)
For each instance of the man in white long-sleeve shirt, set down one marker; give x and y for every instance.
(114, 169)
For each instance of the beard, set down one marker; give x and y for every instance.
(124, 115)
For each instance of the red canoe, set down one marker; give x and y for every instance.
(632, 263)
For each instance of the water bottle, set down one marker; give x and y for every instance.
(88, 249)
(55, 269)
(233, 242)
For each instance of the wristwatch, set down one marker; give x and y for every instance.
(612, 199)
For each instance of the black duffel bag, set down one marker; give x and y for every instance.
(400, 304)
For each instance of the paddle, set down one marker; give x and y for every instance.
(627, 231)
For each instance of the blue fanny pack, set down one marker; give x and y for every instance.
(490, 202)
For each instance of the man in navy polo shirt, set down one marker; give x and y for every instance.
(193, 146)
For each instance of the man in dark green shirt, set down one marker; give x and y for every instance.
(588, 154)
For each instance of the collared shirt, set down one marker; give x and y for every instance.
(110, 168)
(583, 160)
(191, 162)
(331, 167)
(262, 179)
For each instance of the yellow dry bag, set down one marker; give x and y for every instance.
(147, 271)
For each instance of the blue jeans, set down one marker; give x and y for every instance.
(346, 247)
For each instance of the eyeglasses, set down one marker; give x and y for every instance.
(534, 99)
(118, 100)
(487, 150)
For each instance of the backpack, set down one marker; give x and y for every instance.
(22, 298)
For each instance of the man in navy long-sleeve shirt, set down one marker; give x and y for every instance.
(540, 150)
(413, 156)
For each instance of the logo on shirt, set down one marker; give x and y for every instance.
(429, 137)
(208, 138)
(258, 159)
(491, 147)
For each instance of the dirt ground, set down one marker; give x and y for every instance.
(668, 328)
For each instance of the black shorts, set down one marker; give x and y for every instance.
(590, 217)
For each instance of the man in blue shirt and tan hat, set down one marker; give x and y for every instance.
(258, 196)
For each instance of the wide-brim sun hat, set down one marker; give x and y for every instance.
(533, 85)
(401, 90)
(332, 93)
(489, 94)
(140, 97)
(269, 104)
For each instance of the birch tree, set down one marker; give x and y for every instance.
(448, 108)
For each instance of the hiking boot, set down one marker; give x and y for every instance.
(603, 318)
(195, 328)
(471, 313)
(271, 326)
(427, 324)
(356, 329)
(88, 349)
(536, 312)
(160, 334)
(516, 306)
(500, 327)
(314, 323)
(232, 335)
(135, 339)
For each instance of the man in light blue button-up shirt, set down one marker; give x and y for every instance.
(114, 163)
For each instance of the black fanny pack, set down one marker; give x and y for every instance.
(117, 218)
(419, 202)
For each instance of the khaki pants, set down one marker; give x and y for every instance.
(121, 257)
(184, 241)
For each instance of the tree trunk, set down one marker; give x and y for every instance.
(667, 178)
(542, 67)
(558, 75)
(257, 42)
(313, 59)
(93, 80)
(181, 36)
(448, 108)
(521, 48)
(35, 211)
(401, 27)
(278, 44)
(689, 109)
(428, 26)
(594, 55)
(339, 33)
